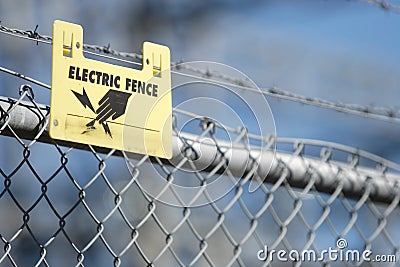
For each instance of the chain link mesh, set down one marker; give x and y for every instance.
(84, 208)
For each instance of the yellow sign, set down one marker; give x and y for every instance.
(97, 103)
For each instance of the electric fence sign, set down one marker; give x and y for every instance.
(106, 105)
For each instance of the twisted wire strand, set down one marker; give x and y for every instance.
(379, 113)
(385, 5)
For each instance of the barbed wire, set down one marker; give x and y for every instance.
(309, 142)
(380, 113)
(383, 4)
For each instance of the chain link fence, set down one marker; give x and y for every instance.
(66, 204)
(73, 205)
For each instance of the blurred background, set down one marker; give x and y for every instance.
(342, 51)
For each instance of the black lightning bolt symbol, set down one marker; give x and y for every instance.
(113, 104)
(84, 99)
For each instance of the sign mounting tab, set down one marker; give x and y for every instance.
(106, 105)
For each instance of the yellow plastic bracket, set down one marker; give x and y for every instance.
(106, 105)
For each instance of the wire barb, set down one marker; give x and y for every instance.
(383, 4)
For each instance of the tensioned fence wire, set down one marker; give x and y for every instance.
(391, 6)
(65, 204)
